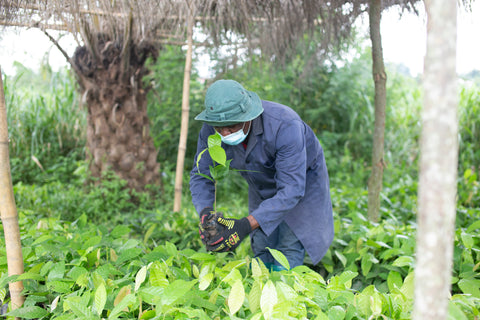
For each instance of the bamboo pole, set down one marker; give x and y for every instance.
(182, 146)
(8, 210)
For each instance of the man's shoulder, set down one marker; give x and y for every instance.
(278, 111)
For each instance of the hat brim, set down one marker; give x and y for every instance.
(255, 111)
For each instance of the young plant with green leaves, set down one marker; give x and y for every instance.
(220, 166)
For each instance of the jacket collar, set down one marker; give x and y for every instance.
(255, 130)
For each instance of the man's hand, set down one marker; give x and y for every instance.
(208, 227)
(235, 230)
(205, 214)
(205, 217)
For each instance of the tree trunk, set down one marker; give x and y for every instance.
(8, 210)
(182, 145)
(438, 165)
(380, 79)
(118, 132)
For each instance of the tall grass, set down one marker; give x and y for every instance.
(46, 125)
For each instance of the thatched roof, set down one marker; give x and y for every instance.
(271, 26)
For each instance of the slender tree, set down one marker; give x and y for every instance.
(8, 210)
(380, 80)
(438, 165)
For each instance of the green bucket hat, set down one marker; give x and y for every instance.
(228, 103)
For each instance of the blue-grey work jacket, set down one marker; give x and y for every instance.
(285, 169)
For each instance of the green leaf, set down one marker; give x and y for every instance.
(78, 307)
(3, 294)
(236, 297)
(97, 279)
(76, 272)
(254, 296)
(91, 242)
(176, 290)
(205, 281)
(474, 226)
(219, 171)
(205, 176)
(258, 316)
(57, 271)
(470, 286)
(148, 315)
(158, 278)
(467, 240)
(199, 157)
(30, 276)
(59, 286)
(140, 277)
(366, 263)
(394, 280)
(200, 256)
(214, 140)
(346, 278)
(218, 154)
(280, 257)
(119, 231)
(363, 300)
(286, 291)
(151, 295)
(403, 261)
(100, 298)
(31, 312)
(256, 270)
(341, 257)
(376, 304)
(336, 313)
(268, 299)
(233, 276)
(42, 239)
(455, 313)
(408, 286)
(126, 301)
(128, 254)
(149, 233)
(321, 316)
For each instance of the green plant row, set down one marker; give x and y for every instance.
(82, 270)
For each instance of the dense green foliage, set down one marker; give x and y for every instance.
(104, 252)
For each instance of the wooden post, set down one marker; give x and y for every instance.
(182, 146)
(8, 210)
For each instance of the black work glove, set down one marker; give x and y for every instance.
(205, 217)
(205, 214)
(235, 230)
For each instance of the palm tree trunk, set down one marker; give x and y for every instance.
(438, 165)
(118, 129)
(380, 79)
(182, 146)
(8, 210)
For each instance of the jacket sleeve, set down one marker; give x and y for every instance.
(202, 189)
(290, 176)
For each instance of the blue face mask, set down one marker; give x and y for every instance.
(235, 138)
